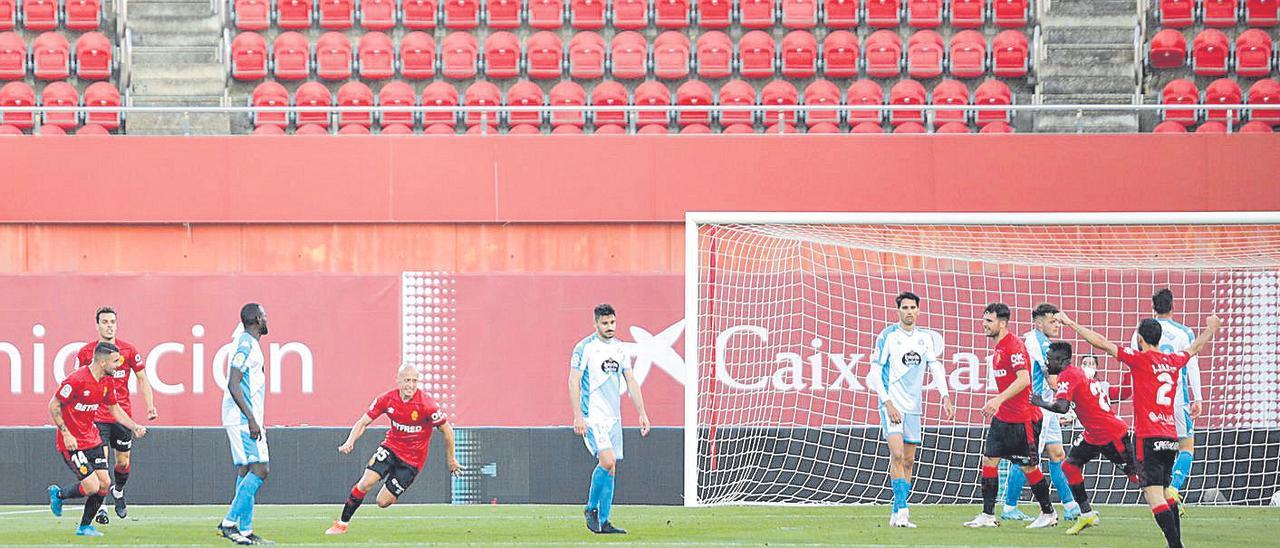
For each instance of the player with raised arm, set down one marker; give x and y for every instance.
(597, 368)
(1044, 327)
(114, 434)
(897, 377)
(1104, 433)
(400, 456)
(242, 416)
(1154, 375)
(1015, 423)
(73, 409)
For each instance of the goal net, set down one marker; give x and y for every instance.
(783, 311)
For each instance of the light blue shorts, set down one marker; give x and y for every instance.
(604, 435)
(245, 450)
(909, 428)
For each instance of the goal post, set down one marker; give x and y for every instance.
(782, 310)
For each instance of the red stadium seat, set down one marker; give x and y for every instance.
(907, 92)
(1180, 92)
(546, 14)
(1210, 53)
(609, 94)
(968, 54)
(952, 127)
(313, 94)
(1264, 92)
(821, 93)
(460, 14)
(94, 59)
(799, 53)
(671, 14)
(779, 93)
(756, 53)
(950, 92)
(439, 94)
(376, 56)
(715, 14)
(544, 56)
(1010, 54)
(40, 14)
(525, 94)
(1168, 49)
(652, 94)
(924, 54)
(355, 94)
(587, 14)
(249, 56)
(48, 129)
(60, 94)
(823, 127)
(884, 54)
(694, 93)
(738, 129)
(8, 14)
(333, 56)
(883, 13)
(482, 94)
(867, 128)
(841, 14)
(756, 14)
(630, 14)
(695, 129)
(586, 56)
(13, 56)
(737, 93)
(294, 14)
(968, 14)
(82, 14)
(1010, 13)
(671, 56)
(482, 130)
(378, 14)
(1219, 13)
(1223, 91)
(7, 129)
(250, 14)
(291, 57)
(840, 54)
(311, 129)
(354, 129)
(458, 56)
(105, 95)
(1256, 127)
(865, 93)
(1257, 13)
(800, 14)
(924, 14)
(567, 94)
(501, 55)
(96, 129)
(397, 94)
(1212, 127)
(503, 14)
(337, 14)
(1176, 13)
(714, 53)
(417, 56)
(629, 56)
(396, 129)
(524, 129)
(419, 14)
(440, 129)
(51, 57)
(652, 129)
(1253, 54)
(781, 128)
(998, 127)
(610, 129)
(989, 93)
(909, 127)
(267, 94)
(566, 130)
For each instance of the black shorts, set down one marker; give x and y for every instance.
(83, 462)
(1119, 452)
(1014, 441)
(1154, 461)
(397, 475)
(116, 436)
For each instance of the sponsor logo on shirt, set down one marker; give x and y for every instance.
(86, 407)
(407, 428)
(999, 373)
(1164, 445)
(1160, 418)
(1017, 359)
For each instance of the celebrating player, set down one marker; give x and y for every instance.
(597, 369)
(1015, 423)
(113, 433)
(1154, 375)
(242, 416)
(1044, 326)
(1176, 337)
(73, 408)
(402, 453)
(897, 377)
(1104, 433)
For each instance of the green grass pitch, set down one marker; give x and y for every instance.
(546, 525)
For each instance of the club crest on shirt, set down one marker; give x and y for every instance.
(86, 393)
(610, 366)
(414, 415)
(911, 359)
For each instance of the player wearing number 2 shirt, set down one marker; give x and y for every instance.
(1155, 377)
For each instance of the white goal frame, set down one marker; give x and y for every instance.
(694, 219)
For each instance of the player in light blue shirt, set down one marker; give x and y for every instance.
(598, 368)
(242, 416)
(902, 351)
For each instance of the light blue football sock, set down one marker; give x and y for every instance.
(1060, 483)
(598, 477)
(1181, 469)
(1013, 485)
